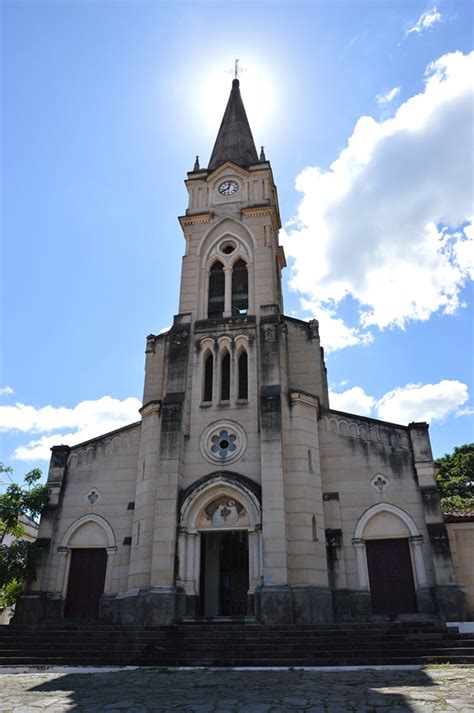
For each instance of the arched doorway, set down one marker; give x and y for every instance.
(219, 545)
(389, 559)
(87, 550)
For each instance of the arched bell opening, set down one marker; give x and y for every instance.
(220, 548)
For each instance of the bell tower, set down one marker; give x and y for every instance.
(233, 261)
(230, 411)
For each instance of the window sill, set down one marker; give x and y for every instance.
(242, 402)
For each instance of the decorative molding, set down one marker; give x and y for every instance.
(223, 442)
(384, 507)
(82, 521)
(375, 432)
(380, 483)
(199, 219)
(109, 444)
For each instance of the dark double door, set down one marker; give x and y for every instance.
(86, 582)
(224, 573)
(392, 588)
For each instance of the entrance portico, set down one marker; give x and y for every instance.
(220, 546)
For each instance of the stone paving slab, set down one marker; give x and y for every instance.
(427, 690)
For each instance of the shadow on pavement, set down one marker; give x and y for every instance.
(224, 690)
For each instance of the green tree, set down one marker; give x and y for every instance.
(18, 560)
(456, 479)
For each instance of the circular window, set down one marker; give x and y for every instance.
(227, 248)
(223, 442)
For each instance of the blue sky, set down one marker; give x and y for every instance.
(106, 104)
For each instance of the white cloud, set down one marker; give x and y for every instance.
(353, 400)
(388, 222)
(383, 99)
(4, 390)
(413, 402)
(71, 425)
(426, 20)
(423, 402)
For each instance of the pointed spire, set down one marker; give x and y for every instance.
(262, 154)
(234, 141)
(196, 164)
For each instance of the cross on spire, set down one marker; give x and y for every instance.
(236, 69)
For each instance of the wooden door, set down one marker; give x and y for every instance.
(234, 573)
(86, 582)
(392, 588)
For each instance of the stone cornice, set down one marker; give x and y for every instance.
(258, 211)
(303, 397)
(198, 219)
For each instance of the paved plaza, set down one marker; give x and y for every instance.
(448, 688)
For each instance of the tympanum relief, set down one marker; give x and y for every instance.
(223, 512)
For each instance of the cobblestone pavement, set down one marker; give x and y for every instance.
(137, 691)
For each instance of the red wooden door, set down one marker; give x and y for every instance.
(86, 582)
(392, 588)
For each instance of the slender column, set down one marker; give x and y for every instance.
(206, 292)
(182, 557)
(197, 562)
(108, 572)
(216, 375)
(190, 557)
(416, 542)
(234, 366)
(254, 557)
(61, 571)
(228, 292)
(359, 545)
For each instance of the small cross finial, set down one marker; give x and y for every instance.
(236, 69)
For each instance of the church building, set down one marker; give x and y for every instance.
(240, 492)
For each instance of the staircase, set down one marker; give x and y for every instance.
(234, 644)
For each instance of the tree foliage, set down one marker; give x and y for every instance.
(18, 559)
(456, 479)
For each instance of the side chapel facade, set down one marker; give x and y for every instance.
(240, 492)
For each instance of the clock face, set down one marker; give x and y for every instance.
(228, 188)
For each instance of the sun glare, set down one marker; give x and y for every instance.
(258, 88)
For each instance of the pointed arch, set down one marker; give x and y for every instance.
(216, 293)
(208, 375)
(84, 521)
(240, 287)
(385, 507)
(242, 374)
(225, 375)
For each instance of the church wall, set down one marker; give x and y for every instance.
(98, 482)
(354, 452)
(461, 538)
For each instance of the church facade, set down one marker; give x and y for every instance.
(240, 492)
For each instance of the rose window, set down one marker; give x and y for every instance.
(223, 442)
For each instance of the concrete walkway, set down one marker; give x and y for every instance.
(448, 688)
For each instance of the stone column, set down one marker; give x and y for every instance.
(361, 603)
(228, 292)
(182, 558)
(359, 545)
(416, 542)
(61, 584)
(109, 569)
